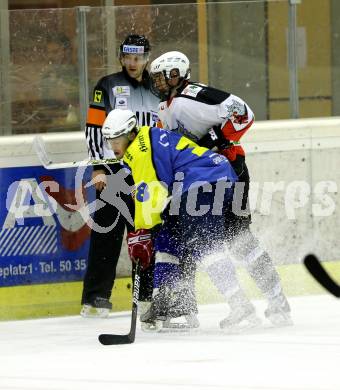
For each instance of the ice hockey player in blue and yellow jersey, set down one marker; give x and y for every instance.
(182, 191)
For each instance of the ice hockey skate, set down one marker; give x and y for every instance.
(242, 314)
(278, 311)
(171, 309)
(185, 322)
(144, 307)
(240, 319)
(98, 308)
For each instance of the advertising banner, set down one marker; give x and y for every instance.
(44, 235)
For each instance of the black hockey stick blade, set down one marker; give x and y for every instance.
(315, 267)
(117, 339)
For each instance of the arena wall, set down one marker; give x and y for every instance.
(294, 166)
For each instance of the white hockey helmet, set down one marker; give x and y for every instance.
(169, 61)
(118, 122)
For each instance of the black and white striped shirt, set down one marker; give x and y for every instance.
(118, 90)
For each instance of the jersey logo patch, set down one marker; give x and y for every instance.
(180, 129)
(141, 143)
(98, 96)
(133, 49)
(121, 90)
(121, 102)
(191, 90)
(217, 158)
(237, 112)
(154, 117)
(163, 140)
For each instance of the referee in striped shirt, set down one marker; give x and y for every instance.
(127, 89)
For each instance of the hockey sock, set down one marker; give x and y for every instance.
(167, 270)
(222, 273)
(267, 279)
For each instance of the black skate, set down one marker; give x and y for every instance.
(278, 311)
(185, 322)
(171, 304)
(151, 320)
(98, 308)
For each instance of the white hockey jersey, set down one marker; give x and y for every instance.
(197, 108)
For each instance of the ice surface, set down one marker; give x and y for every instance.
(64, 353)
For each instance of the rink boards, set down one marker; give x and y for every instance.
(56, 299)
(44, 236)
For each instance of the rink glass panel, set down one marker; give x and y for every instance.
(42, 75)
(52, 58)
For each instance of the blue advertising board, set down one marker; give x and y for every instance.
(44, 232)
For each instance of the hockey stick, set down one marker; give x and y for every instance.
(315, 267)
(115, 339)
(46, 161)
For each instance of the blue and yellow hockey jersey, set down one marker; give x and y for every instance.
(158, 158)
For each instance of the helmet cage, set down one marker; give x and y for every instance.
(159, 87)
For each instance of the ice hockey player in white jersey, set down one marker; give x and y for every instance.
(218, 119)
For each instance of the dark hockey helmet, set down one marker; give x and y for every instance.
(135, 44)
